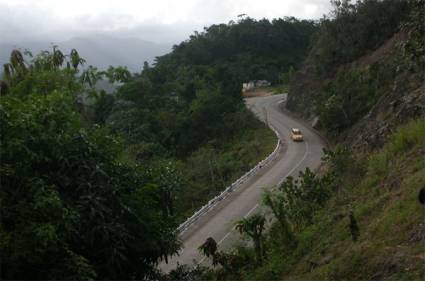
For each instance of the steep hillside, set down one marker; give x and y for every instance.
(361, 220)
(307, 85)
(361, 101)
(383, 199)
(371, 228)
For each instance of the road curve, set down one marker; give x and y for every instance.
(292, 158)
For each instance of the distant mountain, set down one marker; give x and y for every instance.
(99, 50)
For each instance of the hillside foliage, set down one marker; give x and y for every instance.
(188, 107)
(362, 199)
(359, 217)
(70, 207)
(353, 29)
(361, 52)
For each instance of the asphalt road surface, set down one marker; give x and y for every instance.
(292, 158)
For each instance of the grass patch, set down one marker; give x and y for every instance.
(413, 134)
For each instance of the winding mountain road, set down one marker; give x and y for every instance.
(292, 158)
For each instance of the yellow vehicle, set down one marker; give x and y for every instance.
(296, 135)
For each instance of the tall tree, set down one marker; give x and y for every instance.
(253, 226)
(209, 249)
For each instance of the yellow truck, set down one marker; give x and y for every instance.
(296, 135)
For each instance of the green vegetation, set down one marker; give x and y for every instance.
(209, 169)
(369, 226)
(352, 93)
(349, 68)
(276, 89)
(254, 226)
(94, 185)
(353, 29)
(70, 207)
(360, 217)
(246, 50)
(188, 108)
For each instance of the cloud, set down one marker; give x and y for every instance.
(158, 20)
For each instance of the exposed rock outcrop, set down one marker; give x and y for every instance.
(390, 111)
(404, 100)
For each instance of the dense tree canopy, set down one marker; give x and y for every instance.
(188, 106)
(248, 49)
(193, 94)
(70, 207)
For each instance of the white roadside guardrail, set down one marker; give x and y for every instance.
(231, 188)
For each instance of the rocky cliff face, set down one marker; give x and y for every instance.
(303, 89)
(392, 110)
(404, 99)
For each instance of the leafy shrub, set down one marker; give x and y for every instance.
(352, 94)
(378, 164)
(70, 208)
(342, 162)
(402, 141)
(409, 136)
(304, 196)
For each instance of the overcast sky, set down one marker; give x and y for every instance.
(154, 20)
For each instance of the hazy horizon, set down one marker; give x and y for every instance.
(160, 21)
(100, 29)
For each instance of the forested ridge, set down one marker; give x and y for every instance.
(94, 185)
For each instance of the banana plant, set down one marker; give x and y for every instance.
(254, 226)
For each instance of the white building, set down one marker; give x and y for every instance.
(251, 85)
